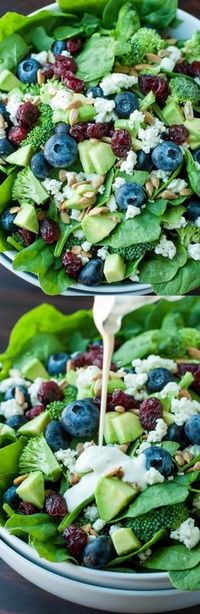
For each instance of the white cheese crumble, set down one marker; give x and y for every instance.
(41, 57)
(150, 137)
(52, 186)
(153, 362)
(102, 253)
(154, 477)
(194, 251)
(12, 107)
(183, 409)
(86, 376)
(10, 408)
(177, 185)
(75, 214)
(13, 381)
(170, 388)
(173, 52)
(187, 534)
(2, 133)
(78, 234)
(119, 181)
(134, 383)
(104, 109)
(86, 246)
(159, 432)
(143, 556)
(114, 82)
(61, 100)
(135, 276)
(167, 64)
(130, 162)
(182, 222)
(165, 248)
(137, 118)
(113, 528)
(67, 458)
(159, 174)
(91, 513)
(131, 212)
(111, 204)
(34, 389)
(99, 525)
(143, 446)
(66, 53)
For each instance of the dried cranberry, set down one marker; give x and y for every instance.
(119, 397)
(55, 505)
(177, 133)
(49, 230)
(76, 540)
(74, 45)
(195, 67)
(96, 131)
(27, 508)
(79, 132)
(121, 143)
(183, 68)
(27, 114)
(157, 85)
(35, 411)
(149, 412)
(47, 70)
(193, 368)
(109, 404)
(27, 236)
(93, 356)
(17, 134)
(72, 264)
(48, 392)
(63, 65)
(77, 85)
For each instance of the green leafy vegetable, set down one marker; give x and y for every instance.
(51, 552)
(89, 66)
(9, 460)
(127, 557)
(12, 50)
(143, 228)
(144, 41)
(44, 129)
(156, 496)
(39, 526)
(173, 558)
(40, 39)
(187, 580)
(137, 347)
(191, 49)
(183, 89)
(193, 172)
(157, 268)
(185, 280)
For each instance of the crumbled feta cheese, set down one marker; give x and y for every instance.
(52, 186)
(99, 525)
(194, 251)
(86, 246)
(66, 53)
(91, 513)
(151, 136)
(78, 234)
(197, 222)
(143, 446)
(135, 276)
(111, 204)
(137, 118)
(165, 248)
(104, 109)
(68, 192)
(119, 181)
(167, 64)
(153, 362)
(113, 528)
(159, 432)
(134, 383)
(131, 212)
(159, 174)
(67, 458)
(33, 390)
(10, 408)
(12, 107)
(143, 556)
(177, 185)
(61, 100)
(15, 380)
(180, 224)
(154, 477)
(183, 409)
(170, 388)
(75, 214)
(114, 82)
(41, 57)
(102, 253)
(173, 52)
(84, 259)
(187, 534)
(86, 376)
(2, 133)
(130, 162)
(193, 449)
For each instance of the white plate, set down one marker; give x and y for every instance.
(184, 30)
(101, 598)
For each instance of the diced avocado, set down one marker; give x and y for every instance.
(102, 157)
(8, 81)
(27, 218)
(125, 124)
(31, 489)
(84, 151)
(9, 459)
(36, 426)
(172, 113)
(168, 417)
(97, 227)
(127, 427)
(84, 393)
(114, 268)
(21, 157)
(60, 116)
(193, 127)
(109, 427)
(7, 435)
(33, 368)
(115, 383)
(112, 495)
(71, 377)
(125, 541)
(86, 113)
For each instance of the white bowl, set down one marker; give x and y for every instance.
(184, 30)
(102, 598)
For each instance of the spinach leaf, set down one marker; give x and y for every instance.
(90, 24)
(171, 558)
(40, 39)
(6, 191)
(157, 13)
(97, 58)
(141, 229)
(137, 347)
(186, 580)
(185, 280)
(54, 282)
(170, 446)
(132, 267)
(167, 493)
(139, 177)
(69, 519)
(193, 172)
(37, 258)
(157, 207)
(12, 50)
(68, 31)
(173, 215)
(40, 526)
(103, 198)
(10, 22)
(127, 557)
(51, 552)
(66, 231)
(127, 24)
(110, 13)
(157, 268)
(9, 457)
(78, 6)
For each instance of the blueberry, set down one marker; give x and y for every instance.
(196, 155)
(192, 209)
(15, 422)
(98, 552)
(92, 273)
(144, 161)
(160, 459)
(192, 429)
(7, 221)
(40, 166)
(81, 418)
(130, 194)
(57, 363)
(10, 497)
(10, 394)
(167, 156)
(6, 148)
(27, 70)
(4, 112)
(58, 47)
(62, 128)
(96, 91)
(177, 433)
(125, 104)
(158, 378)
(61, 150)
(56, 436)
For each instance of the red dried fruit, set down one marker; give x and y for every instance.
(27, 236)
(121, 143)
(48, 392)
(27, 508)
(76, 540)
(177, 133)
(63, 65)
(195, 67)
(77, 85)
(92, 356)
(55, 505)
(119, 397)
(183, 68)
(193, 368)
(79, 132)
(96, 131)
(27, 114)
(35, 411)
(72, 264)
(17, 134)
(158, 85)
(47, 70)
(150, 411)
(49, 230)
(74, 45)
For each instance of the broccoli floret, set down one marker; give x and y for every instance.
(31, 88)
(183, 89)
(133, 251)
(72, 241)
(191, 49)
(37, 456)
(177, 344)
(44, 129)
(27, 188)
(144, 41)
(56, 407)
(189, 234)
(169, 517)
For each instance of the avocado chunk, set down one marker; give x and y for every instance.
(8, 81)
(36, 426)
(121, 428)
(168, 417)
(21, 157)
(27, 218)
(112, 496)
(102, 157)
(125, 541)
(31, 489)
(9, 460)
(109, 427)
(114, 268)
(172, 113)
(193, 127)
(7, 435)
(97, 227)
(84, 151)
(33, 368)
(86, 113)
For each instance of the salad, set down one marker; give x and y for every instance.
(135, 504)
(100, 147)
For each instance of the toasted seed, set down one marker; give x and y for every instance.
(186, 192)
(119, 409)
(97, 386)
(179, 459)
(75, 479)
(15, 209)
(121, 69)
(188, 110)
(171, 41)
(149, 188)
(124, 447)
(139, 67)
(195, 467)
(70, 365)
(155, 182)
(184, 393)
(73, 116)
(117, 472)
(133, 72)
(2, 121)
(65, 217)
(19, 397)
(149, 118)
(194, 352)
(85, 202)
(187, 456)
(106, 139)
(74, 104)
(152, 57)
(40, 77)
(76, 249)
(17, 481)
(167, 195)
(99, 211)
(90, 194)
(134, 411)
(98, 181)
